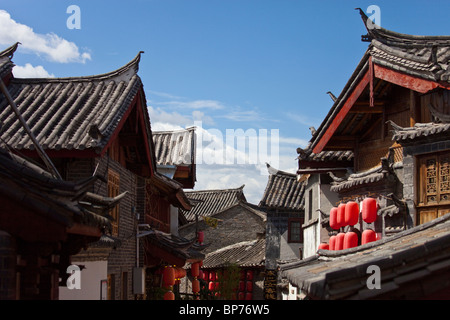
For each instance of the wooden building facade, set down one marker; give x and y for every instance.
(392, 117)
(99, 126)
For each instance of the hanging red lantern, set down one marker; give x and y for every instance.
(369, 210)
(351, 213)
(211, 286)
(367, 236)
(169, 276)
(324, 246)
(249, 286)
(217, 285)
(241, 296)
(248, 296)
(212, 276)
(200, 237)
(241, 285)
(195, 286)
(195, 269)
(340, 220)
(333, 218)
(350, 240)
(249, 274)
(179, 273)
(332, 244)
(200, 275)
(205, 275)
(169, 295)
(339, 241)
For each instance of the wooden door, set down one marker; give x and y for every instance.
(433, 186)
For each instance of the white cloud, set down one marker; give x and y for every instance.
(50, 45)
(195, 104)
(28, 71)
(227, 177)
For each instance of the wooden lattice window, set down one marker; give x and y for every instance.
(434, 186)
(113, 191)
(435, 179)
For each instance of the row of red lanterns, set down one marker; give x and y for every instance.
(348, 240)
(347, 214)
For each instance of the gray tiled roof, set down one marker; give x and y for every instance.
(244, 254)
(283, 191)
(70, 113)
(406, 260)
(209, 202)
(175, 147)
(418, 130)
(427, 57)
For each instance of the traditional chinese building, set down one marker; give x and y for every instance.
(283, 202)
(99, 126)
(392, 118)
(232, 231)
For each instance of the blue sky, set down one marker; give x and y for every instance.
(250, 64)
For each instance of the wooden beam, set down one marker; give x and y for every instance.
(342, 113)
(378, 109)
(407, 81)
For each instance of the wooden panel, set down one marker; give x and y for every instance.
(427, 214)
(406, 81)
(433, 186)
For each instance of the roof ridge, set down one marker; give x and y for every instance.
(274, 171)
(217, 190)
(131, 65)
(9, 52)
(174, 131)
(377, 32)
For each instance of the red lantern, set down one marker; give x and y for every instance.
(367, 236)
(351, 213)
(339, 241)
(212, 276)
(249, 286)
(249, 274)
(350, 240)
(205, 275)
(333, 218)
(195, 286)
(340, 220)
(217, 285)
(324, 246)
(180, 273)
(200, 236)
(169, 295)
(211, 286)
(248, 296)
(241, 296)
(369, 210)
(169, 276)
(241, 285)
(332, 244)
(195, 269)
